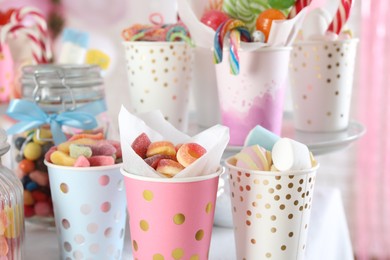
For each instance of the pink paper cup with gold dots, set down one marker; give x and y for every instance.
(89, 210)
(171, 218)
(271, 211)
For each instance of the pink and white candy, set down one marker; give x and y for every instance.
(298, 6)
(341, 16)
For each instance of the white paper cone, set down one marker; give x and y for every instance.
(159, 75)
(271, 212)
(321, 84)
(90, 211)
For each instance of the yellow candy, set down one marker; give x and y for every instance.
(32, 151)
(64, 147)
(96, 57)
(28, 198)
(61, 158)
(43, 134)
(15, 220)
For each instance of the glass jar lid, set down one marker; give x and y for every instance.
(66, 85)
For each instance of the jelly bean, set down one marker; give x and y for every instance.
(64, 147)
(43, 208)
(39, 195)
(44, 136)
(26, 179)
(82, 161)
(32, 151)
(103, 148)
(41, 178)
(48, 154)
(19, 142)
(265, 19)
(101, 160)
(28, 198)
(31, 186)
(40, 165)
(29, 211)
(26, 166)
(76, 150)
(61, 158)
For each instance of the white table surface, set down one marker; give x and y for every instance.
(328, 237)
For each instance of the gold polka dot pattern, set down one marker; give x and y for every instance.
(274, 224)
(321, 79)
(159, 75)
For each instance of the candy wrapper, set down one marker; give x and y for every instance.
(153, 124)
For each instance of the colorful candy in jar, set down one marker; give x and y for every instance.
(265, 19)
(31, 148)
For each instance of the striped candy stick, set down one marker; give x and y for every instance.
(341, 16)
(38, 45)
(298, 6)
(37, 17)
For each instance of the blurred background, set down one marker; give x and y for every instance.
(361, 172)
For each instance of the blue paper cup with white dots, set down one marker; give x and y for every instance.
(90, 211)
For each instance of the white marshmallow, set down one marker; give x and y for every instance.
(289, 155)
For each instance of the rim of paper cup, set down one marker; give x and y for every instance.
(152, 43)
(271, 173)
(316, 42)
(219, 172)
(264, 49)
(84, 169)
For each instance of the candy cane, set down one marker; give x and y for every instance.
(39, 46)
(341, 16)
(298, 6)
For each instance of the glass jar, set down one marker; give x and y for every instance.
(58, 97)
(11, 209)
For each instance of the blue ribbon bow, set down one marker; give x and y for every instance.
(31, 116)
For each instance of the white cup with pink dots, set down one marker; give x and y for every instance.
(271, 211)
(89, 210)
(159, 75)
(321, 77)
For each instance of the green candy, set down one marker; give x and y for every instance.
(281, 4)
(76, 150)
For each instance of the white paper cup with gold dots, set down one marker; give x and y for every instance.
(271, 211)
(89, 210)
(171, 218)
(159, 75)
(321, 76)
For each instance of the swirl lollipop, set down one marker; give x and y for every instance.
(341, 16)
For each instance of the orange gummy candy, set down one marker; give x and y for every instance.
(264, 20)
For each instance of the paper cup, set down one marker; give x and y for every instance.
(90, 211)
(6, 73)
(321, 76)
(171, 218)
(271, 212)
(159, 75)
(205, 88)
(256, 95)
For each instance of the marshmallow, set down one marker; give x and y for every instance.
(253, 158)
(288, 155)
(316, 23)
(262, 137)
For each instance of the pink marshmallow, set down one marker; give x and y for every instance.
(82, 161)
(101, 160)
(117, 146)
(103, 148)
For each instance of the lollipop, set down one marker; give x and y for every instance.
(299, 5)
(264, 21)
